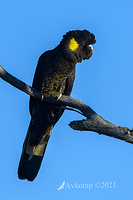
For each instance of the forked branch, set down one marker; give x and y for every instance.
(94, 122)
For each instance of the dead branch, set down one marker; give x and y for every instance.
(94, 122)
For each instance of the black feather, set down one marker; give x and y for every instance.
(55, 74)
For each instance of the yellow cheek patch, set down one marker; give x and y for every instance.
(73, 45)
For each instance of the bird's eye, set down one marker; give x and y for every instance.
(83, 43)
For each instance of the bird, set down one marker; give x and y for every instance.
(54, 76)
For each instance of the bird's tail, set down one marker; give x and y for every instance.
(32, 156)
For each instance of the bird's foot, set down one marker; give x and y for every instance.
(59, 96)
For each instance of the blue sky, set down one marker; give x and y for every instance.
(104, 82)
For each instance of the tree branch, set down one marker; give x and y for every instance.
(94, 122)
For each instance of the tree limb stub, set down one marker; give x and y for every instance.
(104, 127)
(94, 122)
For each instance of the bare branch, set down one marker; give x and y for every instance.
(94, 122)
(19, 84)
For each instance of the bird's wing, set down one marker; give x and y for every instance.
(45, 114)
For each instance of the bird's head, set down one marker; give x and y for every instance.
(77, 45)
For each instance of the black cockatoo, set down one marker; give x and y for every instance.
(54, 76)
